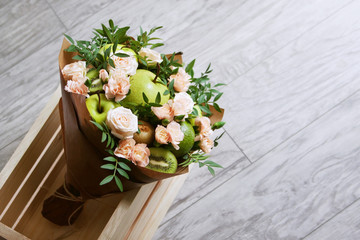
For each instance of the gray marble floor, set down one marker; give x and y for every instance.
(291, 152)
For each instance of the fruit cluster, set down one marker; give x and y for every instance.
(150, 108)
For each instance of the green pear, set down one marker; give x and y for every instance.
(119, 47)
(98, 113)
(142, 82)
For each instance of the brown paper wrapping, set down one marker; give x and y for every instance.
(84, 153)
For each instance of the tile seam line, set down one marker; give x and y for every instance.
(291, 41)
(358, 90)
(328, 220)
(57, 16)
(241, 150)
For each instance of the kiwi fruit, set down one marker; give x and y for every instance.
(96, 86)
(162, 160)
(147, 133)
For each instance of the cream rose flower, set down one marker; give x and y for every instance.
(103, 75)
(181, 80)
(183, 104)
(162, 135)
(206, 144)
(77, 87)
(205, 127)
(164, 112)
(140, 155)
(126, 64)
(122, 122)
(172, 133)
(125, 148)
(74, 71)
(176, 135)
(152, 57)
(117, 87)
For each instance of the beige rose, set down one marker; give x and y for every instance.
(125, 148)
(152, 57)
(181, 80)
(74, 71)
(176, 135)
(205, 127)
(162, 135)
(103, 75)
(183, 104)
(122, 122)
(206, 144)
(117, 87)
(77, 87)
(140, 155)
(164, 112)
(126, 64)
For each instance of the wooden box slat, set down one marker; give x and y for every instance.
(37, 169)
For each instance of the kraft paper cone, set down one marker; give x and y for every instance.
(84, 155)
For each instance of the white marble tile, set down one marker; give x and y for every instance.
(200, 182)
(288, 193)
(26, 26)
(295, 86)
(345, 225)
(73, 12)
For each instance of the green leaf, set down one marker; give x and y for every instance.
(97, 125)
(205, 109)
(212, 164)
(107, 32)
(119, 184)
(110, 152)
(107, 180)
(190, 66)
(124, 166)
(110, 159)
(211, 170)
(108, 140)
(145, 97)
(218, 97)
(179, 117)
(111, 62)
(122, 55)
(171, 85)
(69, 38)
(158, 98)
(103, 137)
(111, 24)
(166, 92)
(115, 47)
(216, 106)
(219, 84)
(108, 166)
(218, 125)
(87, 83)
(123, 173)
(77, 57)
(157, 45)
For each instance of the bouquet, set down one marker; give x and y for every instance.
(130, 115)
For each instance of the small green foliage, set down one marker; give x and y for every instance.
(201, 159)
(201, 91)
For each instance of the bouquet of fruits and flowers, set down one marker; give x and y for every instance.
(130, 115)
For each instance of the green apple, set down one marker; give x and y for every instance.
(192, 120)
(99, 113)
(142, 82)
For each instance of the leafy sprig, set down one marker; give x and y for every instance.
(115, 165)
(202, 91)
(145, 39)
(201, 159)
